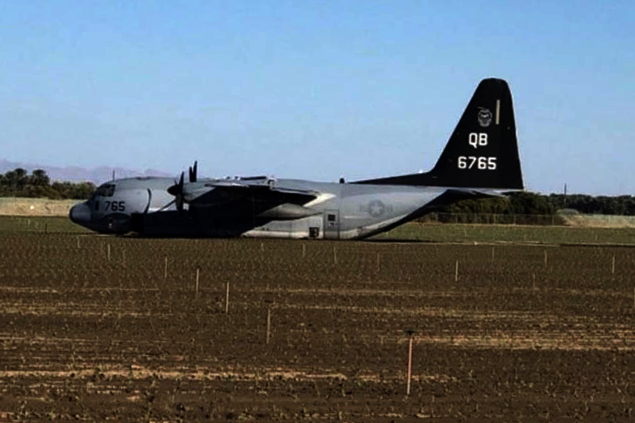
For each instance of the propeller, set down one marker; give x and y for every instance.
(193, 172)
(177, 191)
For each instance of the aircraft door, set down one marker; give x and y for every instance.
(331, 224)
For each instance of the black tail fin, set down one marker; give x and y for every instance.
(482, 151)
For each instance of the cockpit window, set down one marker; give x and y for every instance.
(106, 190)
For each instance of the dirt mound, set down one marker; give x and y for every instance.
(599, 221)
(35, 207)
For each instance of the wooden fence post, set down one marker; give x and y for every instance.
(409, 363)
(268, 323)
(456, 272)
(227, 299)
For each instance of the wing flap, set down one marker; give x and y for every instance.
(223, 192)
(245, 185)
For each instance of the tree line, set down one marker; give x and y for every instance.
(18, 183)
(528, 203)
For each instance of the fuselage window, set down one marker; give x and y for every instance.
(331, 218)
(96, 205)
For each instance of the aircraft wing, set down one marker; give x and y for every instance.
(262, 189)
(219, 192)
(255, 198)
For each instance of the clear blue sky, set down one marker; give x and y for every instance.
(316, 89)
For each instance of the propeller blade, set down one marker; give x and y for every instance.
(179, 198)
(193, 172)
(177, 191)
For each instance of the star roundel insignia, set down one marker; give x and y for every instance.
(376, 208)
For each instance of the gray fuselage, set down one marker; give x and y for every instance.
(339, 211)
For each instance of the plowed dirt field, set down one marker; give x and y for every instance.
(100, 328)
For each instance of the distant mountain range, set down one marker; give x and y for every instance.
(78, 174)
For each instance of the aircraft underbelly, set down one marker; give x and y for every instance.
(371, 213)
(308, 227)
(353, 215)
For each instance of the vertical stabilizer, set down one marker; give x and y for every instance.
(482, 151)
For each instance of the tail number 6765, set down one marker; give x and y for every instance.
(476, 162)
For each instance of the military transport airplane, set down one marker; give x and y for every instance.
(480, 159)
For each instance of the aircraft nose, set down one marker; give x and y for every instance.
(80, 213)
